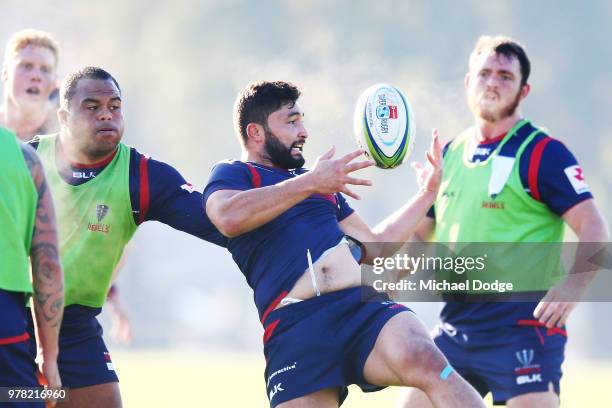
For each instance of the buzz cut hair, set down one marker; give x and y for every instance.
(69, 85)
(506, 46)
(258, 100)
(27, 37)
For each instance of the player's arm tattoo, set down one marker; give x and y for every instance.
(47, 275)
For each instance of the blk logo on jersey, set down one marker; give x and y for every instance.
(101, 213)
(277, 388)
(83, 174)
(576, 178)
(528, 372)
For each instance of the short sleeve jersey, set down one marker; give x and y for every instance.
(273, 256)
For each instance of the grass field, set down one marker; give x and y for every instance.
(180, 379)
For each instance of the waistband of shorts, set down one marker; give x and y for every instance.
(356, 293)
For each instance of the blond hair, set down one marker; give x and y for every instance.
(24, 38)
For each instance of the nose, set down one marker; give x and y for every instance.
(492, 82)
(105, 114)
(303, 133)
(36, 75)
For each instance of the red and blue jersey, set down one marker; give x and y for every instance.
(158, 192)
(273, 256)
(549, 173)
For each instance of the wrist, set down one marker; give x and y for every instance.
(305, 183)
(428, 194)
(48, 355)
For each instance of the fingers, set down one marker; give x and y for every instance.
(431, 160)
(350, 156)
(345, 190)
(552, 313)
(357, 181)
(435, 148)
(358, 165)
(328, 154)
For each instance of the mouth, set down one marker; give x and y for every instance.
(107, 130)
(491, 95)
(33, 90)
(297, 147)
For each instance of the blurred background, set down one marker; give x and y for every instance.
(180, 65)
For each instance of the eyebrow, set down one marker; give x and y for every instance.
(295, 113)
(500, 71)
(94, 100)
(505, 71)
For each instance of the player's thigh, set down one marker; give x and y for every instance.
(95, 396)
(327, 398)
(413, 398)
(403, 354)
(546, 399)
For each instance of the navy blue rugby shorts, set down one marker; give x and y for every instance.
(323, 342)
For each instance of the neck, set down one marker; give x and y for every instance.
(25, 122)
(489, 130)
(72, 153)
(255, 157)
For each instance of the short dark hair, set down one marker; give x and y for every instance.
(258, 100)
(68, 88)
(505, 46)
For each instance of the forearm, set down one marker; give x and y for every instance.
(593, 238)
(401, 225)
(251, 209)
(48, 304)
(48, 282)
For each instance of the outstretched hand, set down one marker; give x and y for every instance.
(429, 175)
(330, 175)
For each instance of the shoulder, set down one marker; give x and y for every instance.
(34, 142)
(231, 164)
(29, 154)
(34, 165)
(232, 167)
(548, 153)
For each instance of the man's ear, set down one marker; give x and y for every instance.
(62, 116)
(525, 89)
(255, 133)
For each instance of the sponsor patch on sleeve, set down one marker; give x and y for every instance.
(188, 187)
(576, 178)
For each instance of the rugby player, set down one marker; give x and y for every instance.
(512, 349)
(29, 74)
(287, 232)
(30, 108)
(103, 191)
(28, 230)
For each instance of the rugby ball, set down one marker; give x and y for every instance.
(384, 125)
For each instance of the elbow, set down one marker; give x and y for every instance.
(228, 226)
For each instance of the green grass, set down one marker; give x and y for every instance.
(194, 379)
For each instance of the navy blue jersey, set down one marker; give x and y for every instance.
(551, 175)
(158, 192)
(273, 256)
(13, 317)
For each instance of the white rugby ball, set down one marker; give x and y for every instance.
(384, 125)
